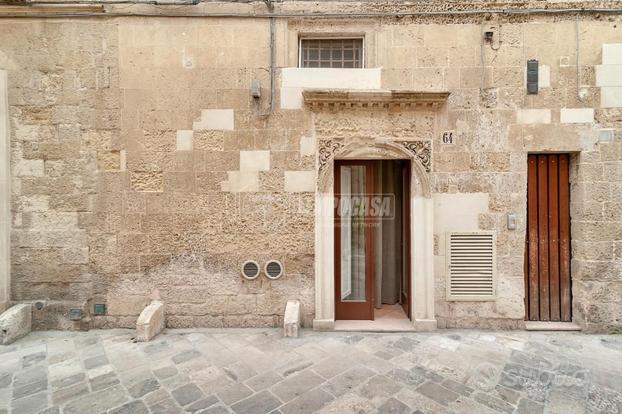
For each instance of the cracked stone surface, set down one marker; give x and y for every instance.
(258, 371)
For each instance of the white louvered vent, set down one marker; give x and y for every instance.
(471, 266)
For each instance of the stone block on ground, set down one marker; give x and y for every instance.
(291, 321)
(15, 323)
(150, 322)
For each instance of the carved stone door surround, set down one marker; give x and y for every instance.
(421, 220)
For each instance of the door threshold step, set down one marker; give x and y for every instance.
(551, 326)
(378, 325)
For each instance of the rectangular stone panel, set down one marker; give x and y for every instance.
(215, 119)
(576, 115)
(533, 116)
(294, 80)
(612, 54)
(611, 96)
(608, 75)
(300, 181)
(254, 160)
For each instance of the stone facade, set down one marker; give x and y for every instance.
(141, 167)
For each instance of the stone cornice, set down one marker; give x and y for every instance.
(305, 9)
(459, 10)
(322, 99)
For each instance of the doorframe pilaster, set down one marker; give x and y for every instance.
(5, 194)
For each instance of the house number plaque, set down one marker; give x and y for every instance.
(448, 137)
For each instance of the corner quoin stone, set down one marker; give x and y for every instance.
(15, 323)
(150, 322)
(291, 321)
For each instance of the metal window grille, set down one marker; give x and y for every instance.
(331, 53)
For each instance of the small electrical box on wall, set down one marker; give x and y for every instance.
(99, 309)
(532, 77)
(511, 221)
(75, 314)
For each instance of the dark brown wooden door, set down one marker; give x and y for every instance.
(547, 246)
(354, 258)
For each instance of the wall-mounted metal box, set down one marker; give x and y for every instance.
(532, 77)
(99, 309)
(75, 314)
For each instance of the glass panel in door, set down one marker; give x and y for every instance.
(353, 185)
(352, 234)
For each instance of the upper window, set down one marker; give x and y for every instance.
(331, 53)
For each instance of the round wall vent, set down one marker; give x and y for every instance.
(274, 269)
(250, 269)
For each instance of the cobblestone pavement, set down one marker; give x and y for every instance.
(257, 371)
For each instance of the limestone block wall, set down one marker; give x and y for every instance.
(64, 116)
(205, 185)
(142, 168)
(596, 206)
(495, 124)
(481, 178)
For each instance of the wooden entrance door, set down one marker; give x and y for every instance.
(547, 256)
(356, 221)
(354, 258)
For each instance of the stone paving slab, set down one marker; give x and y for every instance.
(255, 371)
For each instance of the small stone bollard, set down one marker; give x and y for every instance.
(15, 323)
(150, 322)
(291, 321)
